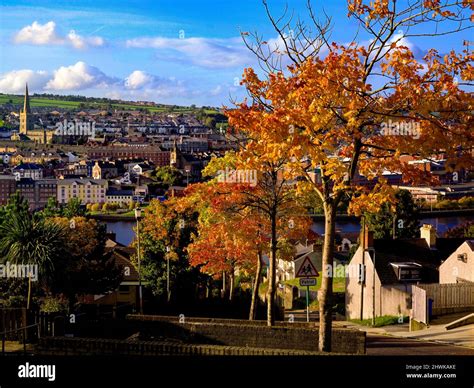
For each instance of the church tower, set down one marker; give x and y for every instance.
(174, 155)
(26, 118)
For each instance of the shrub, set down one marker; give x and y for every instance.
(53, 305)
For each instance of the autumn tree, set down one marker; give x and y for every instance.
(336, 111)
(165, 232)
(255, 179)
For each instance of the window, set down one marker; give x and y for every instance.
(407, 271)
(409, 274)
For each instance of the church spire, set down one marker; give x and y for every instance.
(26, 105)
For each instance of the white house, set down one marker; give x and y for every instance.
(459, 266)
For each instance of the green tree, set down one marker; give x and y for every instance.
(465, 230)
(25, 239)
(210, 122)
(73, 208)
(166, 225)
(86, 268)
(51, 208)
(403, 220)
(167, 175)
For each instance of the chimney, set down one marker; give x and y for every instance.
(366, 238)
(428, 232)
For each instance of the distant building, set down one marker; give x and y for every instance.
(7, 188)
(120, 197)
(87, 190)
(44, 190)
(28, 170)
(26, 188)
(146, 152)
(27, 125)
(102, 170)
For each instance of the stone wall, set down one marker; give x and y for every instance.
(248, 334)
(94, 346)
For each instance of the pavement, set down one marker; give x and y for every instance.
(398, 340)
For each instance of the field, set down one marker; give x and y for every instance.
(44, 102)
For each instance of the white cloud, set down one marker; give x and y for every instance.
(138, 79)
(145, 86)
(14, 81)
(80, 42)
(38, 34)
(138, 85)
(205, 52)
(47, 34)
(77, 77)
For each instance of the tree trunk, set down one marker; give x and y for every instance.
(325, 296)
(272, 274)
(223, 285)
(256, 285)
(231, 283)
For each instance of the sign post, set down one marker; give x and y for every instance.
(307, 274)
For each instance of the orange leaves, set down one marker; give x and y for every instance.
(371, 201)
(376, 8)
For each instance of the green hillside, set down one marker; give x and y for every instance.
(65, 104)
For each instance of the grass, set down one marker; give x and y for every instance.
(45, 102)
(384, 320)
(130, 213)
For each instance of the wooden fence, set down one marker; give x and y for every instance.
(450, 298)
(445, 299)
(13, 320)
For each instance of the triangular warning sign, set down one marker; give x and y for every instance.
(307, 269)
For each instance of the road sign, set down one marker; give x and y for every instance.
(307, 282)
(307, 269)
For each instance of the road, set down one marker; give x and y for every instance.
(384, 345)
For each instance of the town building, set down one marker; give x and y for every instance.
(28, 170)
(389, 268)
(27, 125)
(7, 188)
(87, 190)
(121, 197)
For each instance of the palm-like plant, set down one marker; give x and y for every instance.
(25, 239)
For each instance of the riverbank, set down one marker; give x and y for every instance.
(129, 216)
(423, 214)
(113, 217)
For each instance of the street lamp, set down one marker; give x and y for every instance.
(138, 214)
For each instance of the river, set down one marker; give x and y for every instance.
(125, 234)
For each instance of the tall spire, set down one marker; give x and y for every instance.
(26, 105)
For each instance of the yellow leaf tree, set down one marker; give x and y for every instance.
(360, 109)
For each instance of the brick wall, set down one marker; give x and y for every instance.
(248, 334)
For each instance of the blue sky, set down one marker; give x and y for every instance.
(178, 52)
